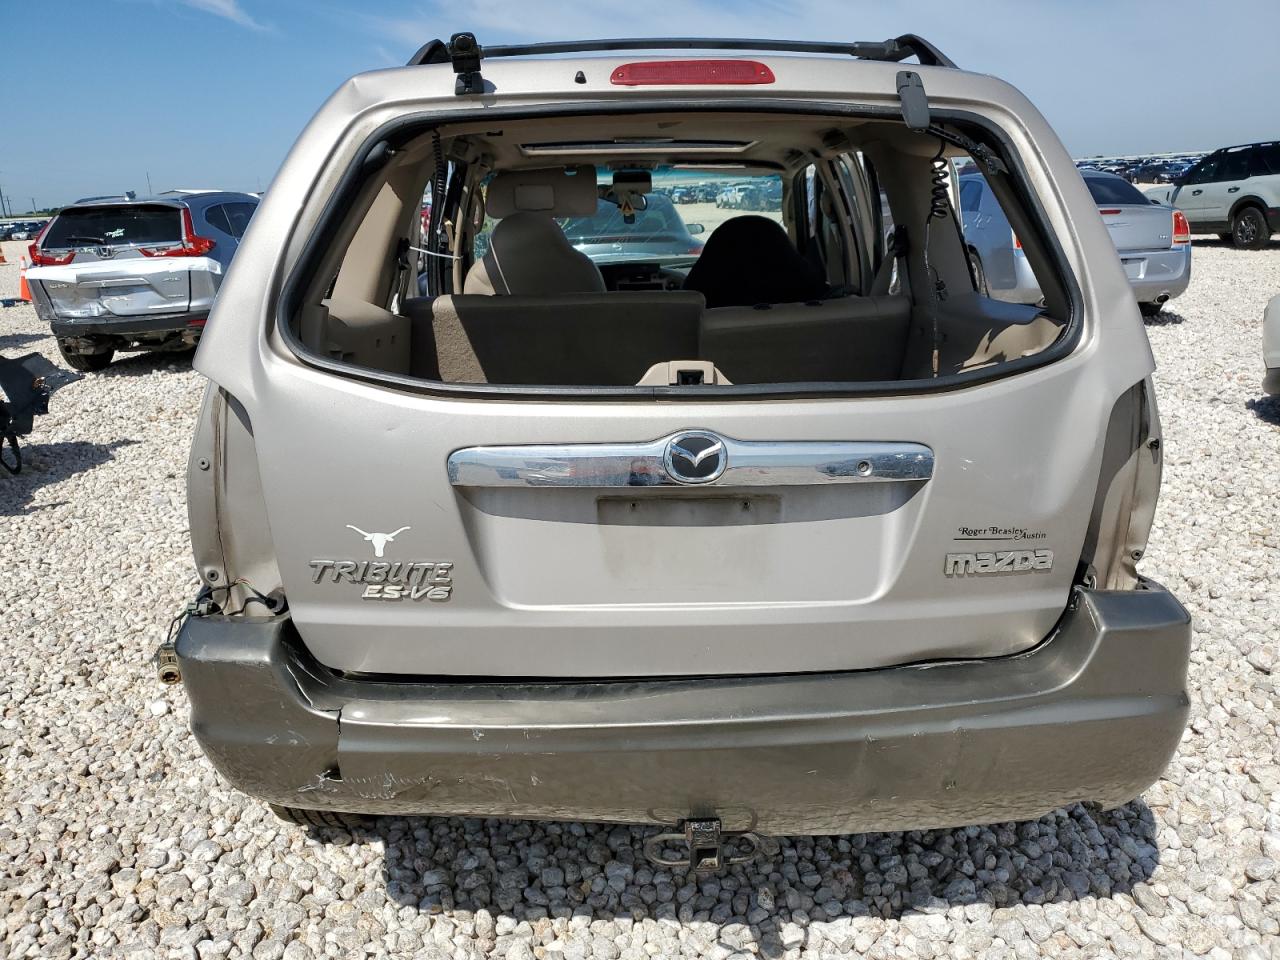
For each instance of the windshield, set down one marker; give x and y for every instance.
(115, 226)
(681, 210)
(656, 222)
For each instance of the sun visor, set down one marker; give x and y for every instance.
(555, 191)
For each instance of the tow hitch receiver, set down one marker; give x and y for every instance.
(704, 843)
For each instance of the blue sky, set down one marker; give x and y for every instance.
(96, 94)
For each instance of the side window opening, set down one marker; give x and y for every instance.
(238, 215)
(520, 271)
(1206, 171)
(1000, 266)
(1235, 166)
(217, 217)
(854, 193)
(1268, 159)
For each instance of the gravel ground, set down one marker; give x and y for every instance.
(117, 838)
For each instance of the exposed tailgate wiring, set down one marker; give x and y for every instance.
(939, 208)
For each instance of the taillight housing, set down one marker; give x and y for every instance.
(1017, 244)
(1181, 228)
(192, 245)
(690, 73)
(41, 259)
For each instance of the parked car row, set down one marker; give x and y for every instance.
(752, 196)
(1142, 169)
(690, 193)
(737, 195)
(21, 229)
(134, 273)
(1233, 191)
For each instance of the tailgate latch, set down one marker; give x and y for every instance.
(915, 103)
(704, 844)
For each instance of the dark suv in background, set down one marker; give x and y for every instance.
(125, 273)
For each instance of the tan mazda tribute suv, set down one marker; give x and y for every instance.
(550, 505)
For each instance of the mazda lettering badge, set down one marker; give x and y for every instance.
(695, 457)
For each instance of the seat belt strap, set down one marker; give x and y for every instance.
(897, 253)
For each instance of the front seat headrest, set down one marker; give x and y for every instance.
(749, 260)
(530, 255)
(554, 191)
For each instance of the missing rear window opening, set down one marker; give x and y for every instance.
(795, 267)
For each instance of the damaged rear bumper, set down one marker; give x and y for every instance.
(1091, 714)
(131, 328)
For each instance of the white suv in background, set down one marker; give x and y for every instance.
(1233, 192)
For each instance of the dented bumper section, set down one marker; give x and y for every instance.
(1091, 714)
(131, 327)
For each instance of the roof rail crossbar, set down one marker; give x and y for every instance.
(895, 50)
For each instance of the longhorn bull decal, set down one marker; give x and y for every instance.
(379, 540)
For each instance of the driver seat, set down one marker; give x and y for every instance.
(529, 255)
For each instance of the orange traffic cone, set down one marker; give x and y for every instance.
(2, 259)
(24, 291)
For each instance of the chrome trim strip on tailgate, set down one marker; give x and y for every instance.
(747, 463)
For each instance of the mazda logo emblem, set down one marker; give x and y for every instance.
(695, 457)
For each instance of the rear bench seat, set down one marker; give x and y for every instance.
(612, 339)
(848, 338)
(577, 339)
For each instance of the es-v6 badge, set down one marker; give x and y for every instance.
(388, 579)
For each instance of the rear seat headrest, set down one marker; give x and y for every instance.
(749, 260)
(554, 191)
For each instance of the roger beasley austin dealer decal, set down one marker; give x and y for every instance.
(388, 579)
(1015, 553)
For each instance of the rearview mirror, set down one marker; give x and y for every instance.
(637, 201)
(696, 228)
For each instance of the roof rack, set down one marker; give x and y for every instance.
(465, 53)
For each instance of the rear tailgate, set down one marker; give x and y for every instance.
(109, 260)
(392, 566)
(130, 287)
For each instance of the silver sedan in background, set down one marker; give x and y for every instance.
(1152, 239)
